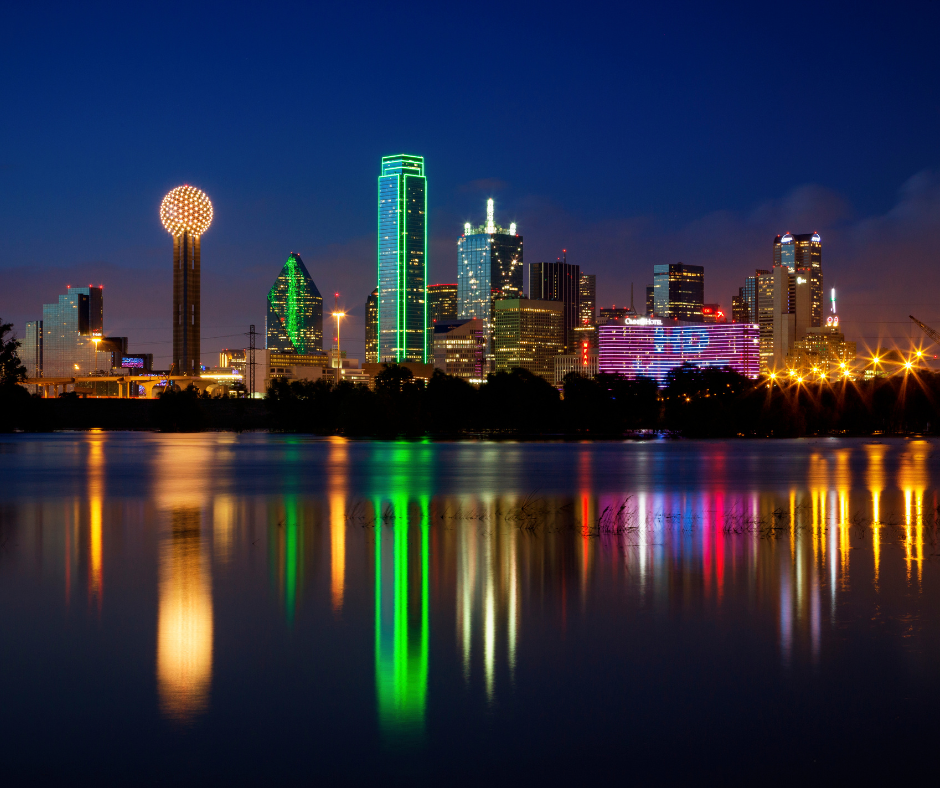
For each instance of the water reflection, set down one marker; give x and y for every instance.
(378, 548)
(184, 624)
(402, 615)
(182, 473)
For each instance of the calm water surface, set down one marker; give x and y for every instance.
(262, 609)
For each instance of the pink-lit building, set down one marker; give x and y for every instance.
(652, 346)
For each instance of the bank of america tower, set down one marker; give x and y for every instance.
(402, 259)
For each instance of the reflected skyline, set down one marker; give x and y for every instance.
(439, 595)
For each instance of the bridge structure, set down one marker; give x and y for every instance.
(52, 387)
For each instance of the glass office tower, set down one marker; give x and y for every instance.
(804, 251)
(588, 288)
(372, 327)
(295, 311)
(69, 328)
(31, 350)
(403, 259)
(559, 281)
(489, 267)
(442, 307)
(679, 291)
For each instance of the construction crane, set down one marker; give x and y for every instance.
(927, 330)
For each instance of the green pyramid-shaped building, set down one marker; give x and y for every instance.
(295, 311)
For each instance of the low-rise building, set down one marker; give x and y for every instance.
(583, 363)
(459, 348)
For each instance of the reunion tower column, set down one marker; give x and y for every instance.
(186, 213)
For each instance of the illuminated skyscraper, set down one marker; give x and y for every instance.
(529, 334)
(69, 331)
(489, 267)
(295, 311)
(442, 306)
(31, 351)
(372, 327)
(403, 259)
(678, 291)
(588, 288)
(559, 281)
(804, 251)
(186, 213)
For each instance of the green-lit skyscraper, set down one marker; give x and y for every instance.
(295, 311)
(402, 259)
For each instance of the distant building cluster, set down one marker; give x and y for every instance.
(494, 315)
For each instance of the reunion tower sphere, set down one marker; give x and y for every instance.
(186, 209)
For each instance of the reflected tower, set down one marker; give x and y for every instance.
(186, 213)
(184, 625)
(402, 614)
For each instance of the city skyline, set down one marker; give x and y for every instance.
(713, 169)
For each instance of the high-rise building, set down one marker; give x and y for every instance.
(71, 331)
(792, 310)
(529, 333)
(295, 311)
(460, 348)
(804, 251)
(31, 350)
(186, 213)
(588, 288)
(372, 327)
(403, 259)
(559, 281)
(764, 304)
(650, 300)
(739, 310)
(679, 291)
(489, 267)
(442, 306)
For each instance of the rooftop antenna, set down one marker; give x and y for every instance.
(631, 298)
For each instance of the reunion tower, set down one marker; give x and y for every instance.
(186, 213)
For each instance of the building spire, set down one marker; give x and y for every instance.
(490, 220)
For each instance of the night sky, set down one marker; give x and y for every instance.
(644, 134)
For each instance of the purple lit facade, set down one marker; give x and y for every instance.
(651, 348)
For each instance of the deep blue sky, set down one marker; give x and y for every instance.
(631, 135)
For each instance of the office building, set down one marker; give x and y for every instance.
(529, 333)
(403, 259)
(442, 306)
(792, 310)
(460, 348)
(588, 288)
(31, 349)
(678, 291)
(650, 300)
(614, 314)
(372, 327)
(584, 363)
(804, 251)
(584, 333)
(739, 310)
(235, 360)
(713, 313)
(559, 281)
(71, 331)
(651, 347)
(186, 213)
(822, 351)
(489, 267)
(295, 311)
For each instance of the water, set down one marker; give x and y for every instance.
(280, 610)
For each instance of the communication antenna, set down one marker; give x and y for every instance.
(631, 298)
